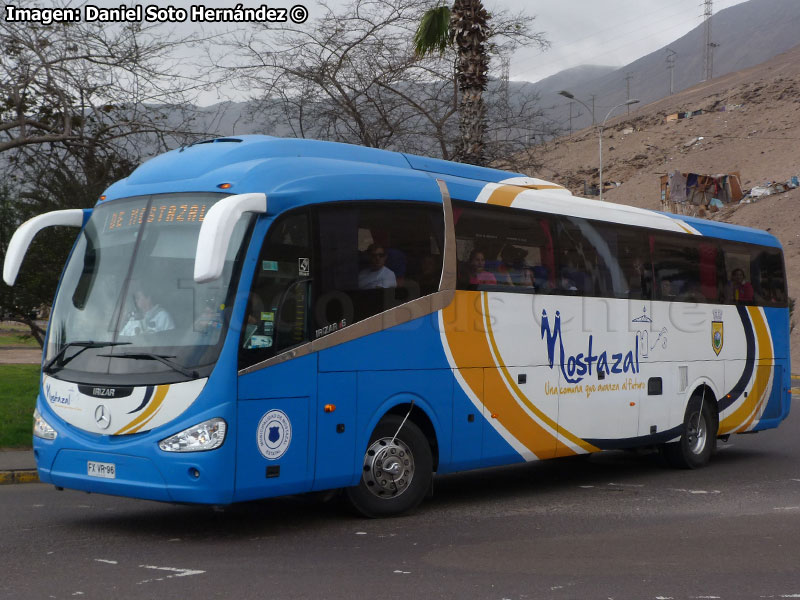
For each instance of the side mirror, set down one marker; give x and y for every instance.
(216, 230)
(23, 236)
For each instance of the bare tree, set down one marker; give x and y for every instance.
(66, 82)
(80, 104)
(353, 76)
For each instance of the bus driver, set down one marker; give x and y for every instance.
(147, 317)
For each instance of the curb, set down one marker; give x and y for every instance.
(19, 476)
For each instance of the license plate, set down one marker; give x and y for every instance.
(100, 469)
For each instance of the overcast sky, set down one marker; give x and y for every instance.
(599, 32)
(602, 32)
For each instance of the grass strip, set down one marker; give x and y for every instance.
(19, 385)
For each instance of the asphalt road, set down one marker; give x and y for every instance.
(615, 525)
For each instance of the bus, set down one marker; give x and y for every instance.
(251, 317)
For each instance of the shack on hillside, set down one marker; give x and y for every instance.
(687, 193)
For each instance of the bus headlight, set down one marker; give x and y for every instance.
(207, 435)
(41, 428)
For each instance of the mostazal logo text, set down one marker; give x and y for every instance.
(53, 397)
(575, 366)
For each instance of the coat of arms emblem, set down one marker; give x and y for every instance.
(717, 333)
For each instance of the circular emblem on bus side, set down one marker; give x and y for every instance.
(274, 434)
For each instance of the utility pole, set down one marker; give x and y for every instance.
(671, 68)
(712, 45)
(505, 71)
(628, 77)
(707, 47)
(570, 118)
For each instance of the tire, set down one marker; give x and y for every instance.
(408, 457)
(698, 438)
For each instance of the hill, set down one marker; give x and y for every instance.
(747, 34)
(757, 135)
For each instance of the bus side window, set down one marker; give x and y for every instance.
(677, 268)
(277, 309)
(503, 249)
(771, 283)
(753, 275)
(625, 254)
(374, 257)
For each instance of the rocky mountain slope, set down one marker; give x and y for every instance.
(758, 135)
(746, 34)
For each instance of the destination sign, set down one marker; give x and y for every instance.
(131, 217)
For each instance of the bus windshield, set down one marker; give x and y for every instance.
(128, 308)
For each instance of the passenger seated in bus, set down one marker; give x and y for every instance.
(692, 292)
(478, 275)
(430, 272)
(565, 281)
(637, 279)
(377, 274)
(667, 291)
(739, 289)
(526, 278)
(147, 316)
(541, 280)
(509, 270)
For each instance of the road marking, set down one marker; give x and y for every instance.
(175, 573)
(633, 485)
(108, 562)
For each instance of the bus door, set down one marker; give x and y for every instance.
(275, 426)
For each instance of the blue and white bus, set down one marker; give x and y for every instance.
(251, 317)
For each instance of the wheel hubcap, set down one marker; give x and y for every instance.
(696, 433)
(388, 468)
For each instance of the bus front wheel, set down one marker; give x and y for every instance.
(698, 437)
(397, 470)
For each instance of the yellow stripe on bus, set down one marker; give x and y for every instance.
(561, 450)
(506, 194)
(685, 228)
(761, 387)
(743, 417)
(469, 348)
(149, 413)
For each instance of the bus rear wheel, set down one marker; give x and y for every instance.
(698, 439)
(397, 470)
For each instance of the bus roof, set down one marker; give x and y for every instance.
(328, 171)
(257, 163)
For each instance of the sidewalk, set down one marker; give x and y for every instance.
(17, 466)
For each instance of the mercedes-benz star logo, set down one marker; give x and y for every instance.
(102, 416)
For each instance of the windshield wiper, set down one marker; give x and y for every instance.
(83, 345)
(160, 358)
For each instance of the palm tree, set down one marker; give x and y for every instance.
(465, 27)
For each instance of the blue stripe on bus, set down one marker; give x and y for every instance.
(654, 439)
(741, 385)
(726, 231)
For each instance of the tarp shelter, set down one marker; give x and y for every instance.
(686, 192)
